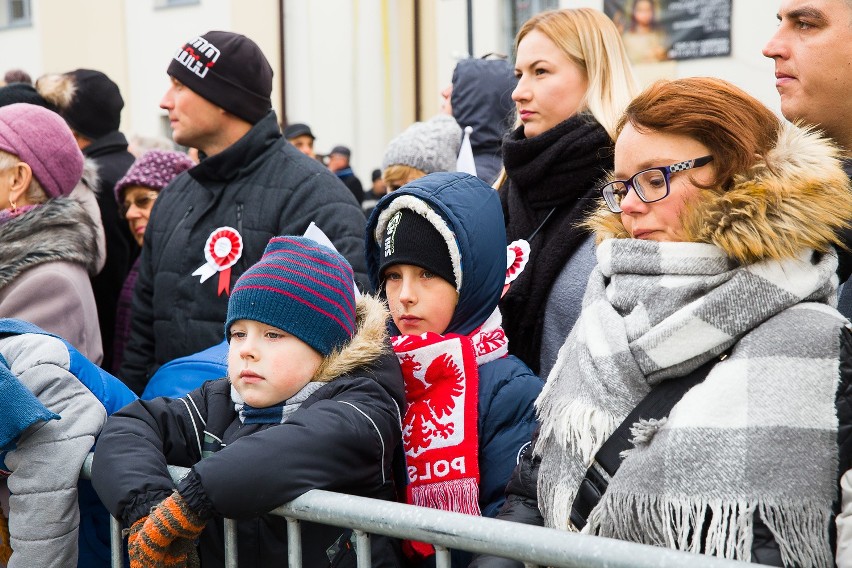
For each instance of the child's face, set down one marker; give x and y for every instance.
(419, 300)
(267, 365)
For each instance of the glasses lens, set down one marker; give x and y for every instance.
(613, 193)
(143, 202)
(651, 185)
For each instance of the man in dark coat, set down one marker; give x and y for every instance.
(813, 80)
(213, 221)
(338, 162)
(93, 112)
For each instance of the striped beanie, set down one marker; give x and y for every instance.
(302, 288)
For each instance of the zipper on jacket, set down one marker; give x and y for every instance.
(240, 218)
(179, 223)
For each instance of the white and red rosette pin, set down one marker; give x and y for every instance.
(223, 249)
(517, 255)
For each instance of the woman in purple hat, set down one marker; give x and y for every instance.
(135, 193)
(48, 243)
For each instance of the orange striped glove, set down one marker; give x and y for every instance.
(165, 538)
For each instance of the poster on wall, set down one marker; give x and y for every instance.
(663, 30)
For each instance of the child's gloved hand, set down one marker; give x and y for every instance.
(164, 539)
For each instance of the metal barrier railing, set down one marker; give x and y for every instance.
(534, 546)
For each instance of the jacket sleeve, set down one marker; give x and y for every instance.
(344, 443)
(521, 504)
(44, 516)
(507, 422)
(138, 443)
(53, 297)
(139, 351)
(325, 200)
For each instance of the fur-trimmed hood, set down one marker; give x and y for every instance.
(366, 346)
(795, 197)
(58, 230)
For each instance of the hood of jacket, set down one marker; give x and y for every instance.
(58, 230)
(482, 99)
(796, 196)
(366, 346)
(474, 221)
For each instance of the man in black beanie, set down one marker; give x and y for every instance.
(91, 103)
(213, 221)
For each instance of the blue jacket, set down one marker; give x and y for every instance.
(507, 387)
(47, 365)
(184, 374)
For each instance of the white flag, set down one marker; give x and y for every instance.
(465, 161)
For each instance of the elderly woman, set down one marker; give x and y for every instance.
(136, 193)
(707, 348)
(48, 243)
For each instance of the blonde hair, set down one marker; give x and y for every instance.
(590, 40)
(398, 175)
(35, 193)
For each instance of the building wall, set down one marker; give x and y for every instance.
(349, 65)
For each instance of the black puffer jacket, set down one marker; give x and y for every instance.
(345, 437)
(262, 187)
(522, 496)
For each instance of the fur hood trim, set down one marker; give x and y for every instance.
(58, 230)
(367, 345)
(795, 197)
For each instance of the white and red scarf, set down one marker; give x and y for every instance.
(440, 433)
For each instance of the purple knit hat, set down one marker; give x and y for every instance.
(154, 169)
(41, 139)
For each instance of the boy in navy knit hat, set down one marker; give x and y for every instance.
(308, 370)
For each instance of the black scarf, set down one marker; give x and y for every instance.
(555, 172)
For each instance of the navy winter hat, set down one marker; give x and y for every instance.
(95, 109)
(409, 238)
(227, 69)
(300, 287)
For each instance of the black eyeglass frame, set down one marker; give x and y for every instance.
(608, 193)
(148, 198)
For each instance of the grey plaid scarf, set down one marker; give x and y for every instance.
(759, 434)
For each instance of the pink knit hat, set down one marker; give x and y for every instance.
(41, 139)
(154, 169)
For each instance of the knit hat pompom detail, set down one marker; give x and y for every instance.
(227, 69)
(154, 169)
(41, 139)
(302, 288)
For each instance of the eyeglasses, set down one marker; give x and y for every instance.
(143, 201)
(650, 185)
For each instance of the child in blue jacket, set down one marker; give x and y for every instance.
(436, 249)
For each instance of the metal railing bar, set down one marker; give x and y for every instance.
(363, 550)
(442, 557)
(544, 546)
(231, 543)
(541, 546)
(294, 543)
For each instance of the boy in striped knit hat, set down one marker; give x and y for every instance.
(311, 401)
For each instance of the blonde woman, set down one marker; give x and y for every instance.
(574, 80)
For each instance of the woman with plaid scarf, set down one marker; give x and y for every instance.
(715, 266)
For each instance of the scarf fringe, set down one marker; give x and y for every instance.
(800, 529)
(575, 426)
(459, 495)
